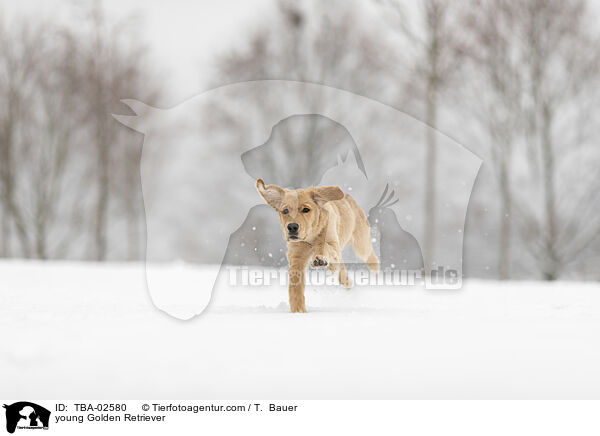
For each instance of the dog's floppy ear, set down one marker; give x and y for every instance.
(323, 194)
(271, 193)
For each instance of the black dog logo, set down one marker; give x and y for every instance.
(26, 415)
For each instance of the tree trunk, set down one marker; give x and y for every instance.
(8, 180)
(102, 202)
(551, 261)
(505, 218)
(430, 175)
(133, 231)
(4, 247)
(40, 239)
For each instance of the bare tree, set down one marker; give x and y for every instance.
(432, 51)
(59, 143)
(563, 69)
(495, 88)
(52, 137)
(19, 52)
(40, 140)
(111, 66)
(541, 72)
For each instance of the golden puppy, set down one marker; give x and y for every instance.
(317, 224)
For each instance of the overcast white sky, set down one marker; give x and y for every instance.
(183, 35)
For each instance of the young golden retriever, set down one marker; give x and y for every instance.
(317, 224)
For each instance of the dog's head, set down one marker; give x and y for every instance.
(301, 210)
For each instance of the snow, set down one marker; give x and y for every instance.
(85, 330)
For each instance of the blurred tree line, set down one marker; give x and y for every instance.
(69, 173)
(515, 81)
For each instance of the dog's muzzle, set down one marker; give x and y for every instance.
(292, 229)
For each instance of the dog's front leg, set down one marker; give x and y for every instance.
(326, 255)
(298, 258)
(296, 289)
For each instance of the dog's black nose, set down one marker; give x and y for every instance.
(293, 227)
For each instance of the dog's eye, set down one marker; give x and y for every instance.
(305, 210)
(285, 211)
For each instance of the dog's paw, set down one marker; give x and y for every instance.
(346, 282)
(319, 262)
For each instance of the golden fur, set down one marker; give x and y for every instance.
(328, 221)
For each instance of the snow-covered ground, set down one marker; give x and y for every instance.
(77, 330)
